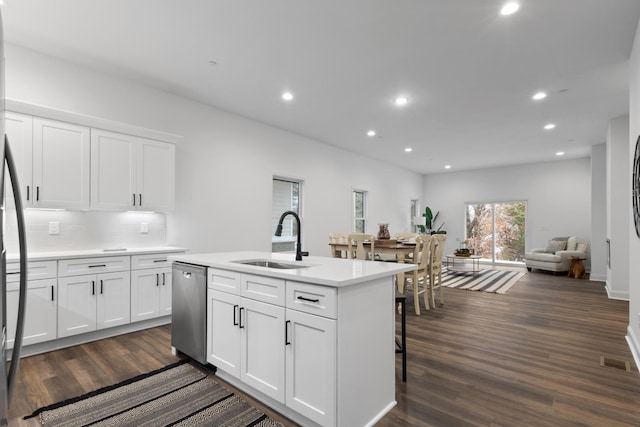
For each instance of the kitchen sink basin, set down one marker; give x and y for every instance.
(271, 264)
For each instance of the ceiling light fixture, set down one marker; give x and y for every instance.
(549, 126)
(401, 100)
(447, 166)
(509, 8)
(408, 150)
(560, 153)
(287, 96)
(538, 96)
(371, 133)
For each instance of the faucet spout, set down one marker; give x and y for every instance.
(279, 232)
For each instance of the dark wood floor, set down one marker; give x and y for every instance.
(527, 358)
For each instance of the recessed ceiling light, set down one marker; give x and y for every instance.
(408, 150)
(549, 126)
(509, 8)
(447, 166)
(401, 100)
(371, 133)
(538, 96)
(560, 153)
(287, 96)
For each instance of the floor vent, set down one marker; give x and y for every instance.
(615, 363)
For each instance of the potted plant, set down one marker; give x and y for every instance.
(463, 250)
(430, 223)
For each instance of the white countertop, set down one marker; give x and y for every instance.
(335, 272)
(89, 253)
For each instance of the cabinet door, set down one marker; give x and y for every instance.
(76, 305)
(223, 332)
(262, 347)
(40, 317)
(155, 175)
(113, 302)
(113, 171)
(165, 291)
(19, 130)
(145, 291)
(311, 366)
(61, 165)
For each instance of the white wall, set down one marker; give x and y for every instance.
(599, 205)
(558, 196)
(618, 191)
(633, 332)
(225, 163)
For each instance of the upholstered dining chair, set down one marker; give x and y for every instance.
(355, 245)
(419, 278)
(435, 267)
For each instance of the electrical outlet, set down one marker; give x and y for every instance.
(144, 227)
(54, 228)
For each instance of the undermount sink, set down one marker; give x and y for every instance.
(271, 264)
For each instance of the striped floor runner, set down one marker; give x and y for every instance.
(497, 281)
(178, 395)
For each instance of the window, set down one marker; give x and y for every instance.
(286, 197)
(496, 231)
(359, 211)
(413, 214)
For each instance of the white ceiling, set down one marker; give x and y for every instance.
(469, 73)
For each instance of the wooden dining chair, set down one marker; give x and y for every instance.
(418, 279)
(435, 268)
(338, 238)
(355, 245)
(411, 237)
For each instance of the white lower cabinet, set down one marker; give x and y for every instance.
(90, 302)
(40, 316)
(311, 366)
(150, 293)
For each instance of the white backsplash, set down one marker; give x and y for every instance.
(85, 230)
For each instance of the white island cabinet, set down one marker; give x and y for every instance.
(315, 343)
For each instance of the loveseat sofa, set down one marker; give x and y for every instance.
(555, 257)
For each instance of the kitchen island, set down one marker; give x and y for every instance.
(313, 339)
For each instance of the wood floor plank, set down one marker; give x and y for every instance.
(530, 357)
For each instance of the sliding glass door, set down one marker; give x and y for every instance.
(496, 231)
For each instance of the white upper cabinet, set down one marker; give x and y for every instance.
(19, 130)
(61, 162)
(129, 173)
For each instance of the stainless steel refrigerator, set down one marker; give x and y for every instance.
(9, 372)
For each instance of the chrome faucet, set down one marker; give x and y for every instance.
(299, 252)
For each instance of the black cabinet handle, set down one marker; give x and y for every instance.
(157, 279)
(101, 287)
(93, 287)
(235, 315)
(308, 299)
(97, 265)
(28, 192)
(134, 198)
(240, 325)
(160, 260)
(164, 279)
(37, 193)
(140, 199)
(286, 332)
(52, 296)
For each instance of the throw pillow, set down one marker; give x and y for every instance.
(555, 246)
(582, 247)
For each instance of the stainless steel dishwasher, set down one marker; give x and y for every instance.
(189, 310)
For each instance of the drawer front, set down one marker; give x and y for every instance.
(75, 267)
(37, 270)
(150, 261)
(312, 299)
(223, 280)
(261, 288)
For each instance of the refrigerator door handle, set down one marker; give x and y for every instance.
(22, 240)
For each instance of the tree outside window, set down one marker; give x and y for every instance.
(497, 231)
(359, 211)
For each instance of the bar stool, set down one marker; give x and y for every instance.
(401, 344)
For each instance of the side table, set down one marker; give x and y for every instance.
(576, 269)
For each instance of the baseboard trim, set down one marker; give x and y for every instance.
(624, 296)
(634, 345)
